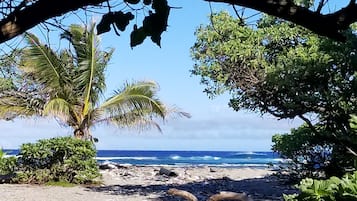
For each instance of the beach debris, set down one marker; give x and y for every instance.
(167, 172)
(224, 195)
(185, 194)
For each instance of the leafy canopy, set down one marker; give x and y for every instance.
(279, 68)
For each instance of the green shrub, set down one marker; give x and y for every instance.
(7, 164)
(333, 189)
(63, 159)
(313, 153)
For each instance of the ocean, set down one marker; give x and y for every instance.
(186, 158)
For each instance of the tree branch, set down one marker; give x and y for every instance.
(20, 21)
(319, 7)
(331, 25)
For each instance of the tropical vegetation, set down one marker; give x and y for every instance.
(62, 160)
(69, 85)
(283, 70)
(277, 68)
(7, 163)
(332, 189)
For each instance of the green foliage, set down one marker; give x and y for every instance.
(305, 3)
(16, 89)
(313, 153)
(333, 189)
(310, 154)
(63, 159)
(7, 164)
(279, 68)
(2, 153)
(6, 84)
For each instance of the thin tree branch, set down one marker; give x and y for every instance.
(319, 7)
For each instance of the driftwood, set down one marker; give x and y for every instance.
(164, 171)
(224, 195)
(185, 194)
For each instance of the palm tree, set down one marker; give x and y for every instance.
(70, 84)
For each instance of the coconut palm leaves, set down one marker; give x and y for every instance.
(134, 105)
(74, 82)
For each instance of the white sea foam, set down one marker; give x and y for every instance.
(249, 153)
(175, 157)
(279, 160)
(126, 158)
(195, 158)
(205, 158)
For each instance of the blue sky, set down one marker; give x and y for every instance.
(213, 125)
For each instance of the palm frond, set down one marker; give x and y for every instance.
(42, 63)
(91, 64)
(92, 117)
(132, 120)
(136, 106)
(59, 108)
(175, 112)
(140, 97)
(9, 112)
(21, 104)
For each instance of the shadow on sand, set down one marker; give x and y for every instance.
(261, 189)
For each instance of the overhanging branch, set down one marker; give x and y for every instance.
(331, 25)
(21, 20)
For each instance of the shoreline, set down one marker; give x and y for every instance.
(144, 183)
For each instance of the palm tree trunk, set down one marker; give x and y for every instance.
(83, 134)
(78, 133)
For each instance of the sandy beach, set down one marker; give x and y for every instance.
(144, 183)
